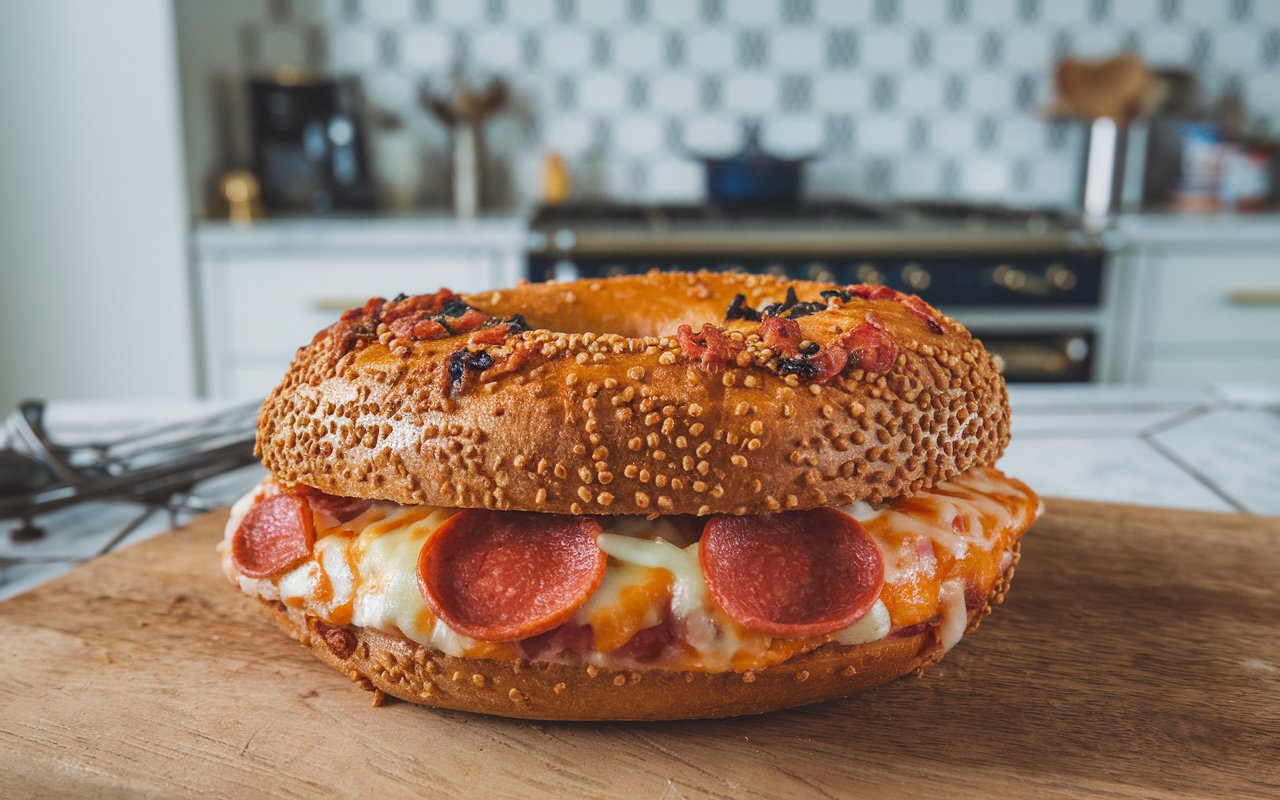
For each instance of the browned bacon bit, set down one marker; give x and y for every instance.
(829, 362)
(469, 321)
(432, 304)
(369, 309)
(341, 642)
(414, 329)
(872, 292)
(357, 323)
(912, 302)
(781, 335)
(871, 346)
(714, 350)
(519, 354)
(918, 307)
(491, 334)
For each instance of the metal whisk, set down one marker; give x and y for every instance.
(157, 467)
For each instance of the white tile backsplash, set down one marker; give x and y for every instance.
(712, 134)
(674, 92)
(922, 92)
(639, 49)
(388, 12)
(356, 49)
(909, 96)
(842, 92)
(459, 12)
(496, 50)
(995, 12)
(958, 48)
(674, 12)
(793, 135)
(886, 49)
(426, 49)
(603, 92)
(601, 12)
(711, 49)
(797, 48)
(1028, 49)
(1166, 46)
(638, 135)
(751, 92)
(532, 12)
(753, 12)
(882, 134)
(567, 48)
(844, 12)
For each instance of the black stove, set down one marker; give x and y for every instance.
(570, 227)
(1001, 266)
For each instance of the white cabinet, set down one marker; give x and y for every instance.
(1203, 311)
(264, 291)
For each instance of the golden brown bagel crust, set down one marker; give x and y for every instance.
(601, 416)
(540, 690)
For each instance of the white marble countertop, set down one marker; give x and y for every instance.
(1214, 449)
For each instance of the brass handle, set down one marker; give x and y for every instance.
(1254, 297)
(330, 304)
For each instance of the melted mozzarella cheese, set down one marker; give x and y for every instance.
(364, 572)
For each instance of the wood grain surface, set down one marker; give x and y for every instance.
(1138, 655)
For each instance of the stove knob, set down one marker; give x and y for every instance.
(1009, 277)
(1060, 277)
(867, 273)
(564, 239)
(916, 277)
(564, 270)
(821, 273)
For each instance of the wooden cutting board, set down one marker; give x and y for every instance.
(1138, 655)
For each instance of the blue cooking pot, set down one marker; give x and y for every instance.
(753, 176)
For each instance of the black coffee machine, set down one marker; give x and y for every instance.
(309, 146)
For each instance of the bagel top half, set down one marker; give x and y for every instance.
(589, 398)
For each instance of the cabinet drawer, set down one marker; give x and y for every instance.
(1201, 371)
(275, 304)
(1223, 299)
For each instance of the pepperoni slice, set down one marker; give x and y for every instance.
(342, 509)
(792, 575)
(276, 534)
(499, 576)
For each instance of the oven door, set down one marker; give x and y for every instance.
(1042, 357)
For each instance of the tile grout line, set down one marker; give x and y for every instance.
(1204, 480)
(1176, 420)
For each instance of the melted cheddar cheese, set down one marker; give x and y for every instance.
(938, 547)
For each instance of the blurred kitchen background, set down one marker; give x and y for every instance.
(191, 188)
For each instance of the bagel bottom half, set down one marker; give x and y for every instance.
(391, 664)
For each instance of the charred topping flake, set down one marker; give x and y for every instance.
(792, 308)
(462, 360)
(738, 309)
(455, 308)
(414, 318)
(800, 366)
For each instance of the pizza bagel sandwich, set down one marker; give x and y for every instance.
(649, 497)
